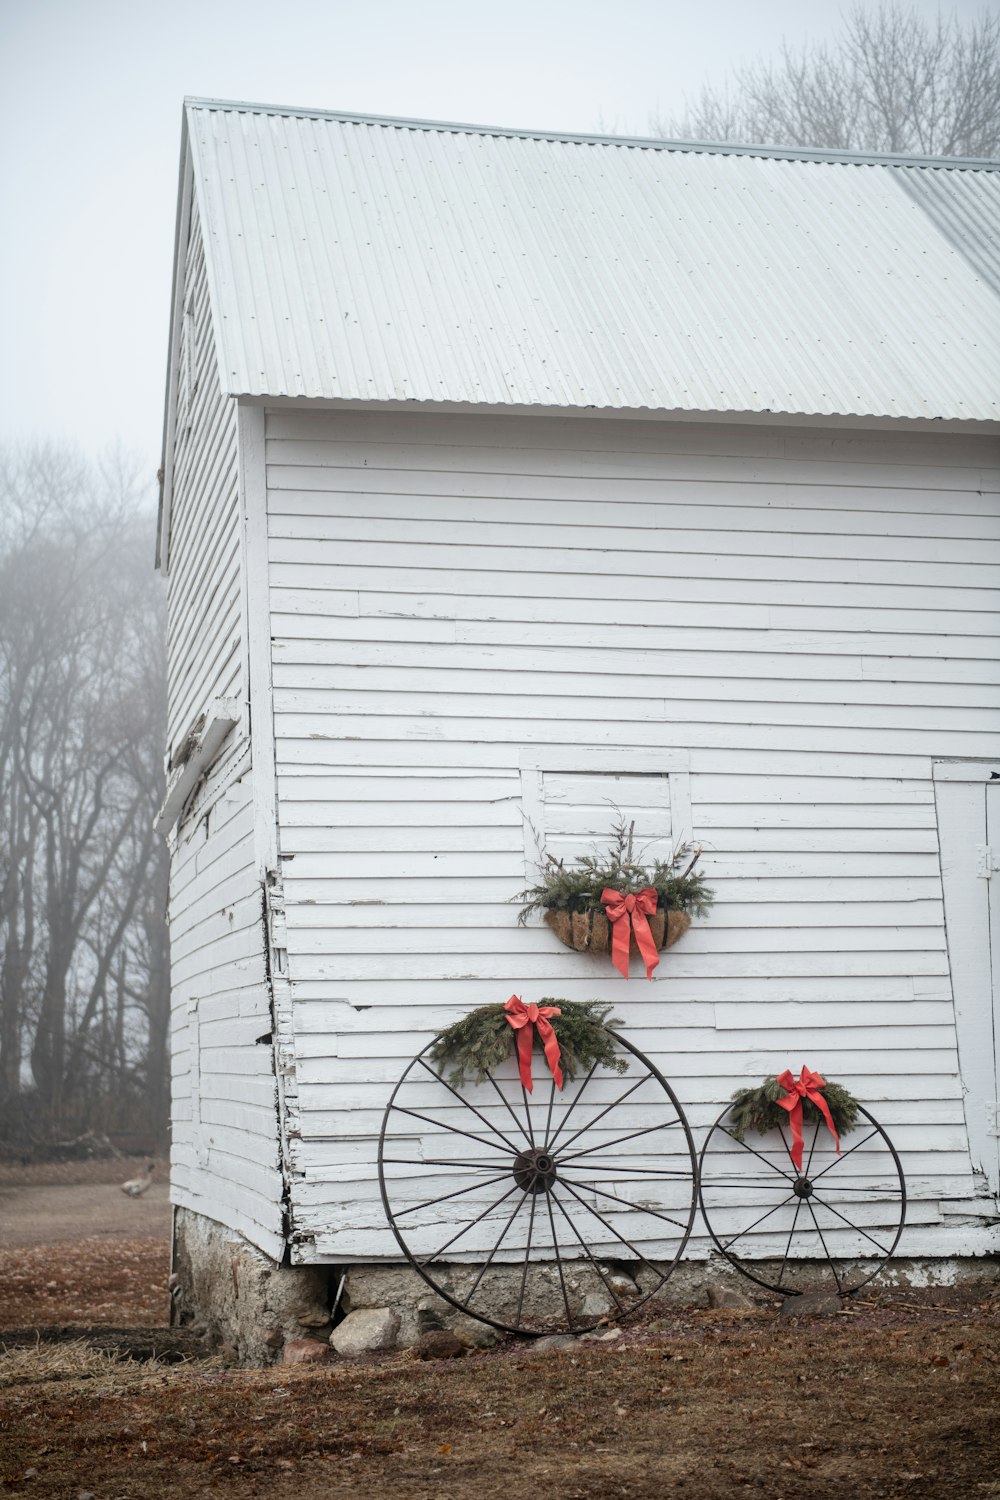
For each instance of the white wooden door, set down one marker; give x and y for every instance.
(968, 809)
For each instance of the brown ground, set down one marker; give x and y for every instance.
(898, 1396)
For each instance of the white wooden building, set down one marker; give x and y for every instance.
(500, 466)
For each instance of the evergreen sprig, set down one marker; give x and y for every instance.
(478, 1043)
(756, 1111)
(578, 887)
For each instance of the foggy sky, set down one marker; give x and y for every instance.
(90, 98)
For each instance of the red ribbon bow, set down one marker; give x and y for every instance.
(806, 1086)
(525, 1019)
(627, 915)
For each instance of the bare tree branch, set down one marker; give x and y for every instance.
(893, 81)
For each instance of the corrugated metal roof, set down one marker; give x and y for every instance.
(390, 260)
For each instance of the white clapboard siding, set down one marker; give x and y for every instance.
(225, 1161)
(205, 603)
(811, 617)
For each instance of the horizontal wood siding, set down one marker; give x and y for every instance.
(225, 1155)
(811, 616)
(224, 1158)
(205, 603)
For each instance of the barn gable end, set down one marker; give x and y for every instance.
(225, 1158)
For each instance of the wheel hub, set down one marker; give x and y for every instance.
(803, 1188)
(534, 1170)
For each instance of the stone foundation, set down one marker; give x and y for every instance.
(248, 1305)
(253, 1308)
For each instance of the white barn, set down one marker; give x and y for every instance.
(499, 466)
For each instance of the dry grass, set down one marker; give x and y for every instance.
(39, 1363)
(893, 1400)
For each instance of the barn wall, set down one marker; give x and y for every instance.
(224, 1159)
(804, 616)
(225, 1153)
(205, 601)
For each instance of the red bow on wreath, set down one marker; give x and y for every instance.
(806, 1086)
(627, 915)
(526, 1019)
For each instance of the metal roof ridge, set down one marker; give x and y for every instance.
(648, 143)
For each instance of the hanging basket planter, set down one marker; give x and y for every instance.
(612, 903)
(590, 931)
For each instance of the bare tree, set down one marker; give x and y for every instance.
(892, 81)
(82, 922)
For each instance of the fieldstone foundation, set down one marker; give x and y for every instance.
(251, 1307)
(248, 1305)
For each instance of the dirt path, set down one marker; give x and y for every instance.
(45, 1214)
(82, 1252)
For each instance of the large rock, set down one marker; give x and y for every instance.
(366, 1331)
(438, 1343)
(718, 1295)
(811, 1305)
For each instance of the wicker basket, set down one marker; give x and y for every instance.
(590, 931)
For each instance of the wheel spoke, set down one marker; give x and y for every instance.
(639, 1208)
(487, 1262)
(842, 1156)
(443, 1125)
(471, 1225)
(766, 1160)
(615, 1232)
(444, 1161)
(603, 1146)
(527, 1256)
(756, 1184)
(607, 1110)
(478, 1113)
(548, 1117)
(788, 1246)
(763, 1216)
(576, 1099)
(527, 1113)
(620, 1166)
(490, 1181)
(507, 1106)
(826, 1251)
(856, 1227)
(788, 1150)
(586, 1250)
(559, 1265)
(812, 1148)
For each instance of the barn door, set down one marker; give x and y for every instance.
(968, 810)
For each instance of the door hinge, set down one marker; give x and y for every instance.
(987, 861)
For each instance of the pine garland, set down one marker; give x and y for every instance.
(756, 1111)
(479, 1042)
(578, 887)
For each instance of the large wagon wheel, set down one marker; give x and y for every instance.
(829, 1227)
(539, 1212)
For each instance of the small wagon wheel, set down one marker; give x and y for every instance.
(829, 1227)
(539, 1212)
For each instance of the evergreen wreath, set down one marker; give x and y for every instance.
(479, 1042)
(578, 887)
(756, 1111)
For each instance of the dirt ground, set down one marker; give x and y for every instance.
(897, 1395)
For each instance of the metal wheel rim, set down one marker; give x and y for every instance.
(664, 1268)
(744, 1267)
